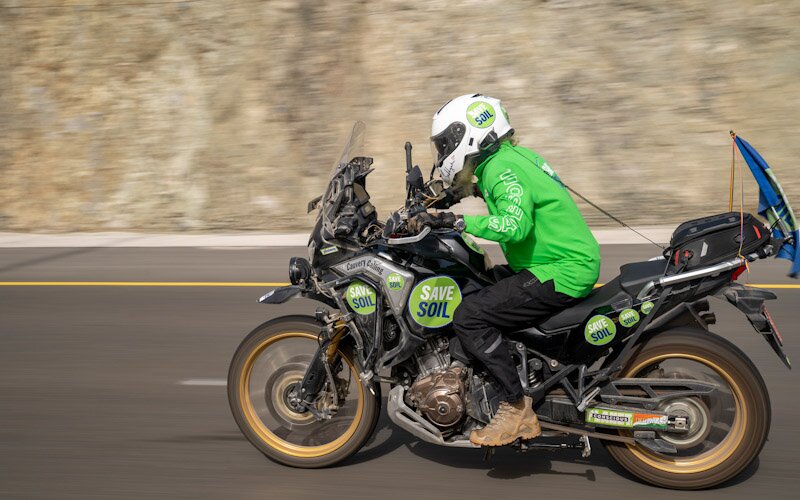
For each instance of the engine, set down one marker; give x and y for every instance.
(438, 392)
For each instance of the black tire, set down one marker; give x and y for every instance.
(274, 447)
(746, 438)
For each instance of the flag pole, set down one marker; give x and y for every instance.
(733, 165)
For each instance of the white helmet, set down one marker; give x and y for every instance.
(464, 128)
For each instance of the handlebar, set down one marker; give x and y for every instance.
(409, 239)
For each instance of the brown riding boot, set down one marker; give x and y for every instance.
(512, 421)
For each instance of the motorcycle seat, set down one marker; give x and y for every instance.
(634, 276)
(630, 281)
(607, 294)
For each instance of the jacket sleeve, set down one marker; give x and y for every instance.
(514, 218)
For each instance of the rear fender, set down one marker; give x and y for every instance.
(751, 302)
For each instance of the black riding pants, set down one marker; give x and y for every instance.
(512, 303)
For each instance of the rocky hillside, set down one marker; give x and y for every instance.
(208, 115)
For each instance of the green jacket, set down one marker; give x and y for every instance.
(536, 222)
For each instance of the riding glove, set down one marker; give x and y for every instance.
(441, 220)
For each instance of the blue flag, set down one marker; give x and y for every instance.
(773, 205)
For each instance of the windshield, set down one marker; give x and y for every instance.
(353, 147)
(343, 188)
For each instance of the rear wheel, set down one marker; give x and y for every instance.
(263, 387)
(727, 429)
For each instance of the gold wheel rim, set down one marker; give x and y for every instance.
(708, 459)
(273, 441)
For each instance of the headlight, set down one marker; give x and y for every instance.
(299, 270)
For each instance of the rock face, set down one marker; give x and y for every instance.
(207, 115)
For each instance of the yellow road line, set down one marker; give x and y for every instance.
(245, 283)
(776, 285)
(138, 283)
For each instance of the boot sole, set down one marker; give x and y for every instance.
(532, 434)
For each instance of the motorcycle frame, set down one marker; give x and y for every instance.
(590, 384)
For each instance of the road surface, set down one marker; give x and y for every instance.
(118, 392)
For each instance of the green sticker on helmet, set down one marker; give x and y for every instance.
(628, 318)
(600, 330)
(361, 298)
(480, 114)
(395, 281)
(433, 301)
(647, 307)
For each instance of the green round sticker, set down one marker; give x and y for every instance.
(628, 318)
(395, 281)
(433, 301)
(361, 297)
(647, 307)
(480, 114)
(600, 330)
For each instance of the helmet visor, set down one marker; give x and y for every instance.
(445, 142)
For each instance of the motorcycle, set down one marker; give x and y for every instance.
(633, 365)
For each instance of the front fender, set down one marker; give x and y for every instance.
(280, 295)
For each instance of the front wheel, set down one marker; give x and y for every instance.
(265, 373)
(727, 428)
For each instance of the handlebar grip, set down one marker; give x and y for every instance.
(409, 239)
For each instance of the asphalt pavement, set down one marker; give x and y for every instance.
(118, 391)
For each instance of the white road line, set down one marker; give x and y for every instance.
(209, 382)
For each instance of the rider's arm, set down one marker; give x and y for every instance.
(514, 219)
(453, 195)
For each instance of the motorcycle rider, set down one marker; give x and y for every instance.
(548, 246)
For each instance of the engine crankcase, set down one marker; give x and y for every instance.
(439, 396)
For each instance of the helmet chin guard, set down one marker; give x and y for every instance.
(465, 127)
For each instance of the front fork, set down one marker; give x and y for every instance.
(319, 372)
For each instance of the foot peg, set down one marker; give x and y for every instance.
(523, 446)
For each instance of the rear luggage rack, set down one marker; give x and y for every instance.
(702, 272)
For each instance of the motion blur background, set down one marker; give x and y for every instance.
(210, 116)
(205, 115)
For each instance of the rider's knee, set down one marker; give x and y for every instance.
(467, 317)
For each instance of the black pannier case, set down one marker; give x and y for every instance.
(713, 239)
